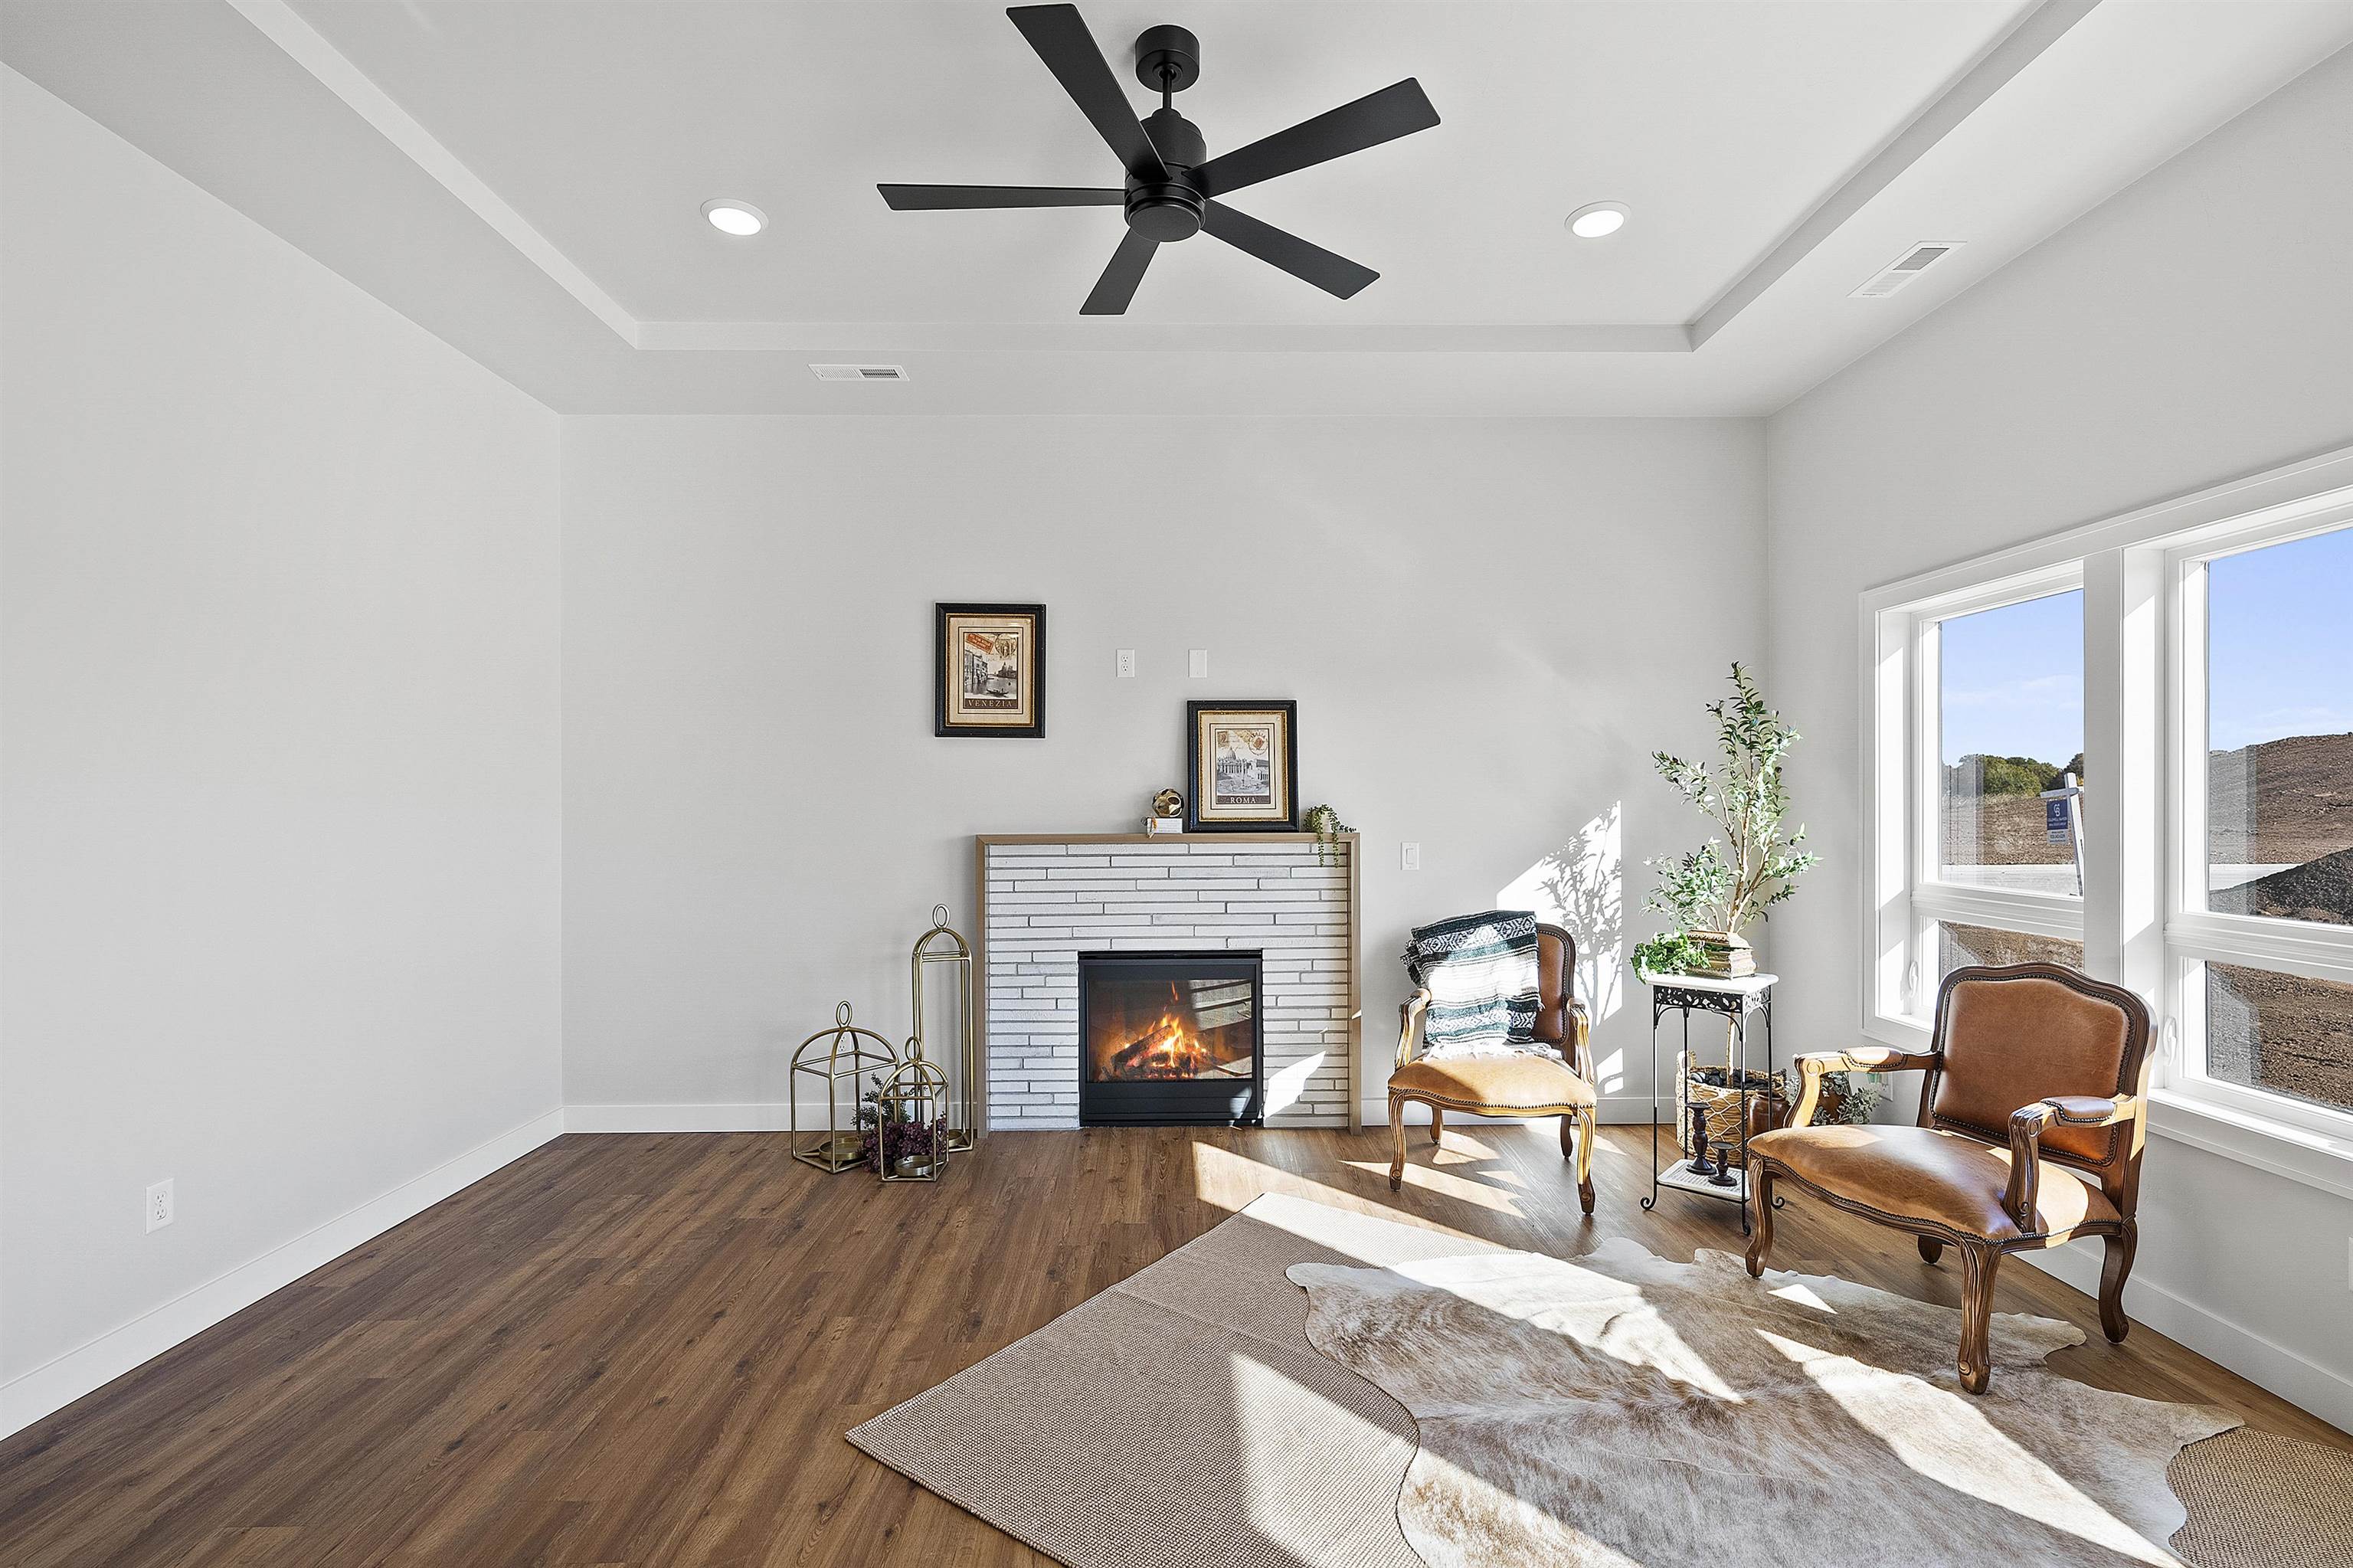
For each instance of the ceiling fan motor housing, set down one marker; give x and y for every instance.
(1171, 208)
(1167, 59)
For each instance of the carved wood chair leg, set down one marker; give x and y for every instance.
(1436, 1123)
(1585, 1120)
(1978, 1263)
(1396, 1132)
(1760, 1221)
(1931, 1249)
(2113, 1273)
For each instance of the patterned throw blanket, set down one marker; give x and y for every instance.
(1481, 973)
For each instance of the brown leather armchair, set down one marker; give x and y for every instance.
(2036, 1074)
(1559, 1083)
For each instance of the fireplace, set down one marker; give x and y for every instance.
(1170, 1038)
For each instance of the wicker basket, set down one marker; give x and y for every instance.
(1769, 1107)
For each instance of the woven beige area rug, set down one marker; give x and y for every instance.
(1614, 1409)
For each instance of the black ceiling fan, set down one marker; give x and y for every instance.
(1173, 185)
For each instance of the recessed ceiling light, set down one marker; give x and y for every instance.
(1596, 219)
(729, 216)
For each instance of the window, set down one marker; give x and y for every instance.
(1992, 698)
(2263, 758)
(2279, 1033)
(1959, 946)
(2009, 721)
(2129, 749)
(2279, 729)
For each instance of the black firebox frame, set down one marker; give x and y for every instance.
(1176, 1102)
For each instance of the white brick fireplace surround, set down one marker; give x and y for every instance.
(1046, 898)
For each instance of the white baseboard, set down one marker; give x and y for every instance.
(750, 1116)
(57, 1384)
(2302, 1383)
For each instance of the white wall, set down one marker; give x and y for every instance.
(289, 849)
(2196, 327)
(279, 802)
(1488, 626)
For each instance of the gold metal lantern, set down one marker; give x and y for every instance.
(957, 1046)
(835, 1057)
(916, 1099)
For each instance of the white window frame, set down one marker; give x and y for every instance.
(1907, 641)
(2194, 934)
(1932, 898)
(2144, 824)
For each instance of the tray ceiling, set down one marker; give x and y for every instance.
(525, 179)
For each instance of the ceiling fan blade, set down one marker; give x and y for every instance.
(940, 198)
(1396, 110)
(1059, 36)
(1310, 263)
(1117, 284)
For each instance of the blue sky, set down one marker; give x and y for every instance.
(2014, 680)
(2280, 658)
(2279, 641)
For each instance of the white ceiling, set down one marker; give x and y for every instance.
(525, 180)
(606, 126)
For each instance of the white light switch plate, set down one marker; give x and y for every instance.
(1201, 662)
(1413, 857)
(1127, 663)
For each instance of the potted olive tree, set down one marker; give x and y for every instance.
(1714, 892)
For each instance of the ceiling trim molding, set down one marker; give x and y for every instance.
(1113, 335)
(302, 43)
(2034, 33)
(2020, 47)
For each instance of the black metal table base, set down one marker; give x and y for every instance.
(1667, 997)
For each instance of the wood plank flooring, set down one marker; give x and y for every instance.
(639, 1349)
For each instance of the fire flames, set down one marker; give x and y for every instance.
(1167, 1048)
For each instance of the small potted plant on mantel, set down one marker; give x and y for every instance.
(1714, 892)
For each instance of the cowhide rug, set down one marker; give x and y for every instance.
(1624, 1410)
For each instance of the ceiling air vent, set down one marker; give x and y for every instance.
(860, 372)
(1906, 268)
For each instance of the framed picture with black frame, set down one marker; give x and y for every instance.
(988, 670)
(1243, 759)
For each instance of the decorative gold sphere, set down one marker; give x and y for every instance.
(1168, 803)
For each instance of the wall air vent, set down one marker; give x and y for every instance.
(860, 372)
(1906, 268)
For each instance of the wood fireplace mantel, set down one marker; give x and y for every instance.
(1042, 898)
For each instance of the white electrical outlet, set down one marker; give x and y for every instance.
(159, 1204)
(1127, 663)
(1413, 857)
(1200, 663)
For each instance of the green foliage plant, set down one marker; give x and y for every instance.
(1753, 861)
(1672, 954)
(1326, 824)
(1978, 774)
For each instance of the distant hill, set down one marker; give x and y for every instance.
(2319, 889)
(2001, 830)
(2302, 792)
